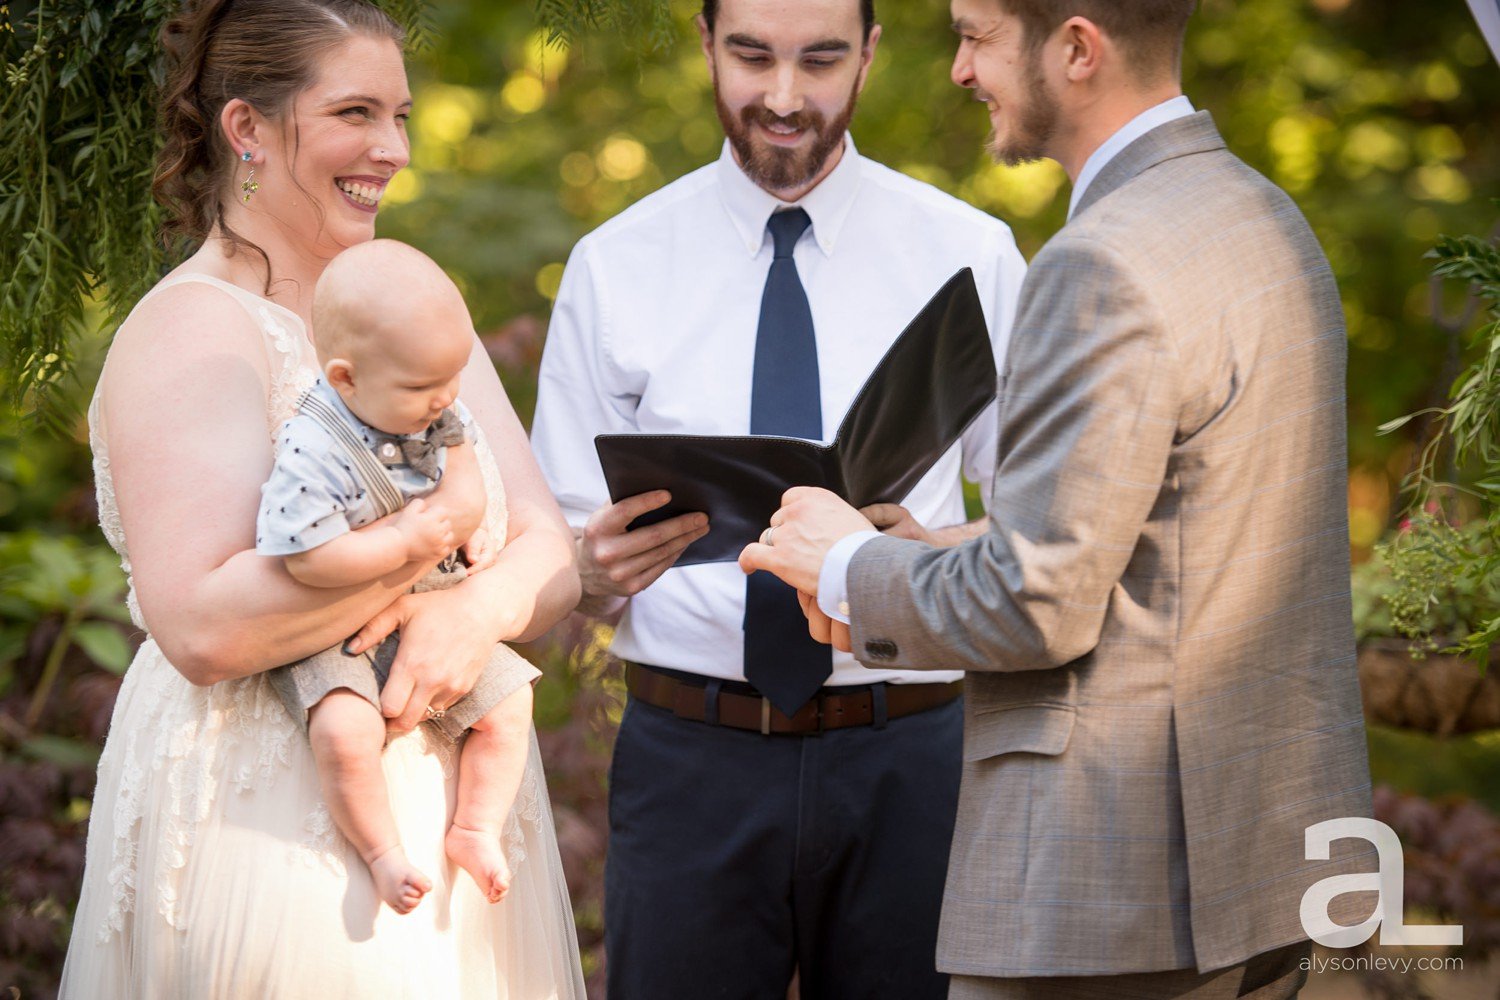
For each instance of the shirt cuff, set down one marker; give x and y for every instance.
(833, 578)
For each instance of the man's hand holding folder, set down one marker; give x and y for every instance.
(935, 380)
(621, 563)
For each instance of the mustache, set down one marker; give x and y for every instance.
(762, 115)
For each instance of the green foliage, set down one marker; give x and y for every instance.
(1471, 421)
(1443, 768)
(1448, 578)
(74, 588)
(77, 145)
(1439, 584)
(76, 217)
(648, 21)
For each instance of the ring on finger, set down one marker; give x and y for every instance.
(765, 536)
(435, 713)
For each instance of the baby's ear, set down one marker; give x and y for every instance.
(339, 373)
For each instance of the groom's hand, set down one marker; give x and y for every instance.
(615, 562)
(809, 523)
(822, 628)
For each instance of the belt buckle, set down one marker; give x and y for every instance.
(765, 715)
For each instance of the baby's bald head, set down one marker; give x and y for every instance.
(386, 296)
(392, 333)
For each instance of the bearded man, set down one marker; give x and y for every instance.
(773, 806)
(1160, 681)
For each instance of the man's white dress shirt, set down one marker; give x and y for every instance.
(833, 577)
(654, 332)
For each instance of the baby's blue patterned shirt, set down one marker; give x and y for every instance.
(313, 495)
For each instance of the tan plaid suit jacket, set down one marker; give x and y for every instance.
(1161, 693)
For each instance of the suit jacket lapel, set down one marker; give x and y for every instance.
(1182, 137)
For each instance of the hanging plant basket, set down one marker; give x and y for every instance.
(1442, 695)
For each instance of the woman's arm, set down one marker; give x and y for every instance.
(184, 403)
(533, 583)
(447, 635)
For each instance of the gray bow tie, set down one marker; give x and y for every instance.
(421, 453)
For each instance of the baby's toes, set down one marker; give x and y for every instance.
(499, 881)
(413, 890)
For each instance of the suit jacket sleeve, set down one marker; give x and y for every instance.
(999, 289)
(1087, 421)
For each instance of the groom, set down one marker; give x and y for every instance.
(1161, 693)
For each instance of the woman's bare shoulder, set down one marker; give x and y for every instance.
(193, 342)
(185, 323)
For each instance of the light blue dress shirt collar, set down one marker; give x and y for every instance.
(750, 206)
(1166, 111)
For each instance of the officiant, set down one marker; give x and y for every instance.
(773, 806)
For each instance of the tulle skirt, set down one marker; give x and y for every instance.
(214, 870)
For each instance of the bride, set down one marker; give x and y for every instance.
(213, 868)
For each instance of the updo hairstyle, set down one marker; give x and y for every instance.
(265, 52)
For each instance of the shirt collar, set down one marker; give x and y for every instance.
(1166, 111)
(827, 205)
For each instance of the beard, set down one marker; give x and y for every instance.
(776, 168)
(1036, 118)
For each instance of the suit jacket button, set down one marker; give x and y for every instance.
(880, 649)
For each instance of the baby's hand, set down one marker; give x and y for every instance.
(427, 531)
(480, 551)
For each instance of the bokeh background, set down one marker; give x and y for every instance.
(1378, 116)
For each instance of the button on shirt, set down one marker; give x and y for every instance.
(833, 577)
(654, 329)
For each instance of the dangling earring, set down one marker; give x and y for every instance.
(249, 185)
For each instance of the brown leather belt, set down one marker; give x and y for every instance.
(830, 709)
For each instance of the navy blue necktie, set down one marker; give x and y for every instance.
(781, 659)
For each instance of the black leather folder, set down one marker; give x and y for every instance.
(934, 381)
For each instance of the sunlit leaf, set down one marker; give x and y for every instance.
(104, 644)
(61, 750)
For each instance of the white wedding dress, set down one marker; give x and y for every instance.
(213, 868)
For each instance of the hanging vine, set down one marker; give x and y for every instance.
(77, 144)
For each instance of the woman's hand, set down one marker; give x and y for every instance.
(533, 582)
(461, 494)
(446, 638)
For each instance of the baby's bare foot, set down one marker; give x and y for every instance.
(397, 882)
(479, 854)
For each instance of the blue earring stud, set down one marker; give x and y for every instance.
(245, 156)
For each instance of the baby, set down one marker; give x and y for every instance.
(343, 507)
